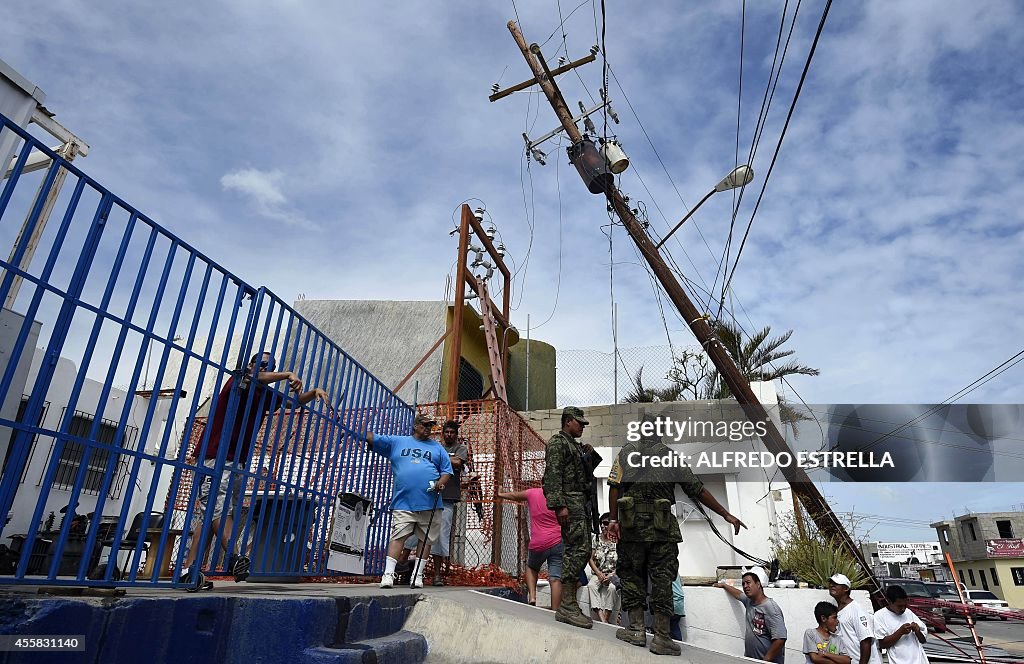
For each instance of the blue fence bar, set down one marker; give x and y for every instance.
(129, 404)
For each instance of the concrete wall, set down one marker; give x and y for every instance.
(542, 375)
(1003, 572)
(10, 327)
(970, 554)
(388, 338)
(715, 621)
(757, 500)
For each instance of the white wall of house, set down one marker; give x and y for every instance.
(30, 489)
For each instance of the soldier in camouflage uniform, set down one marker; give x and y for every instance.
(568, 481)
(640, 499)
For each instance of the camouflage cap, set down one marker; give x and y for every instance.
(576, 413)
(425, 420)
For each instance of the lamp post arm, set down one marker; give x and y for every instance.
(688, 215)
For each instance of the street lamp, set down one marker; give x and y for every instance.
(739, 176)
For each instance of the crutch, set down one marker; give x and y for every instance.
(420, 561)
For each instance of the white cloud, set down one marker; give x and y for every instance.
(888, 238)
(264, 188)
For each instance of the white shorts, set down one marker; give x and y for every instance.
(405, 523)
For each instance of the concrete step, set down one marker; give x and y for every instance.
(232, 624)
(402, 647)
(467, 626)
(372, 616)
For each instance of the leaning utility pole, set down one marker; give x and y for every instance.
(818, 509)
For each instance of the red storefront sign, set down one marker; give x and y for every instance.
(1005, 548)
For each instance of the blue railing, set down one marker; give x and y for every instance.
(119, 340)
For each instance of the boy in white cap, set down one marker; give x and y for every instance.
(765, 635)
(856, 624)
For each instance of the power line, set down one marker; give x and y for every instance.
(762, 120)
(558, 283)
(561, 25)
(778, 146)
(657, 155)
(959, 394)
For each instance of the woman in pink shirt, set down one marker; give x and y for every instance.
(545, 543)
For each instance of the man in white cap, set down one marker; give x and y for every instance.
(765, 636)
(856, 624)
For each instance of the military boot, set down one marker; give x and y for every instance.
(635, 633)
(569, 611)
(662, 643)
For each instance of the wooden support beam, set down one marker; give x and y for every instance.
(533, 81)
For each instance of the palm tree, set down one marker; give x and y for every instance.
(756, 357)
(642, 394)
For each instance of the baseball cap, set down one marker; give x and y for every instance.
(762, 577)
(576, 413)
(841, 580)
(425, 420)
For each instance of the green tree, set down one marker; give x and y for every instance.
(642, 394)
(759, 357)
(805, 552)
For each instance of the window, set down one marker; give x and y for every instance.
(970, 573)
(995, 577)
(944, 534)
(1005, 529)
(471, 382)
(984, 579)
(970, 527)
(1018, 575)
(100, 460)
(14, 435)
(961, 573)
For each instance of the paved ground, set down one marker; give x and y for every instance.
(1005, 634)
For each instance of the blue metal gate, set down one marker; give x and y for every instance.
(123, 350)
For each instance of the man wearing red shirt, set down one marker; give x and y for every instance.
(250, 415)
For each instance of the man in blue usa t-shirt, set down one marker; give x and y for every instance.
(422, 468)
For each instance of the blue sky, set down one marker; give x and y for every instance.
(322, 148)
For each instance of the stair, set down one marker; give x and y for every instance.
(370, 631)
(401, 647)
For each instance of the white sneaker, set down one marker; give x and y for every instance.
(417, 582)
(387, 581)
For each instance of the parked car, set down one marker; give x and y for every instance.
(913, 587)
(946, 593)
(916, 589)
(987, 599)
